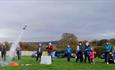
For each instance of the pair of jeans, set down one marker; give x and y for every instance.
(87, 56)
(92, 61)
(106, 56)
(19, 54)
(38, 56)
(3, 55)
(79, 56)
(68, 56)
(51, 54)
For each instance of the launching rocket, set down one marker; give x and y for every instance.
(24, 28)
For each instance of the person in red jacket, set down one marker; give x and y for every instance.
(50, 49)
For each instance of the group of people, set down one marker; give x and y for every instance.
(49, 49)
(84, 52)
(4, 48)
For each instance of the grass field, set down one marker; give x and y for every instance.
(59, 64)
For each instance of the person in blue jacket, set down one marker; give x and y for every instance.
(68, 52)
(87, 52)
(112, 59)
(107, 51)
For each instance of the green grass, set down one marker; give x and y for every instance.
(59, 64)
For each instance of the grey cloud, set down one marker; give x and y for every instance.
(48, 19)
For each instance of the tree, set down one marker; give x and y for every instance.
(102, 42)
(25, 46)
(94, 43)
(112, 41)
(68, 39)
(33, 47)
(8, 45)
(99, 50)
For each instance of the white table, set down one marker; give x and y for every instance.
(46, 60)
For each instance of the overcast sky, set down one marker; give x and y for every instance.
(48, 19)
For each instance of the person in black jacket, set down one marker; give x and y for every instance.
(18, 52)
(3, 51)
(80, 52)
(39, 52)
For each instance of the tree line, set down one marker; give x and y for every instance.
(66, 38)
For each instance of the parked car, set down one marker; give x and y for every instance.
(73, 55)
(102, 56)
(60, 54)
(34, 54)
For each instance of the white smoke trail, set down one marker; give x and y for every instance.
(12, 50)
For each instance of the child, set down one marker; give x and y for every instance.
(113, 57)
(68, 52)
(112, 60)
(92, 56)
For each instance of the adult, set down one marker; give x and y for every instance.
(107, 51)
(68, 52)
(80, 52)
(50, 49)
(39, 52)
(18, 52)
(87, 52)
(3, 51)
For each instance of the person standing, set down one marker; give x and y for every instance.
(107, 51)
(18, 52)
(39, 52)
(68, 52)
(87, 52)
(3, 51)
(92, 56)
(50, 50)
(80, 52)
